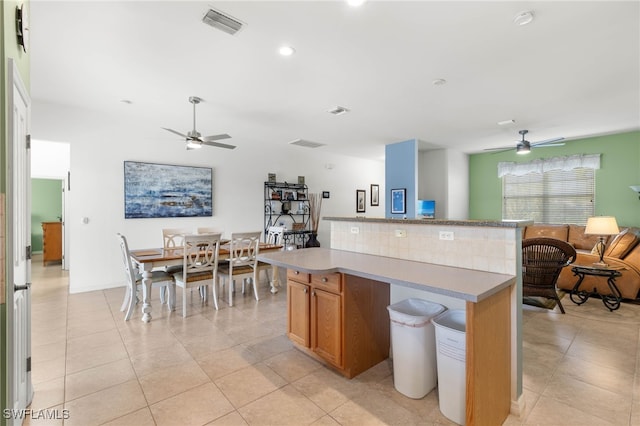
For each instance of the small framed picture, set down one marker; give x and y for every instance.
(361, 200)
(375, 195)
(325, 194)
(398, 200)
(272, 177)
(301, 180)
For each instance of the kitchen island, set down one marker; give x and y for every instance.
(487, 296)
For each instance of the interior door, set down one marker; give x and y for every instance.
(19, 236)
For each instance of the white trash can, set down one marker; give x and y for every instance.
(451, 357)
(413, 346)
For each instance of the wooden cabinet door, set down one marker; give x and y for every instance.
(326, 326)
(298, 320)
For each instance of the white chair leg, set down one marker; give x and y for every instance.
(163, 295)
(255, 285)
(172, 297)
(132, 300)
(184, 302)
(214, 293)
(125, 301)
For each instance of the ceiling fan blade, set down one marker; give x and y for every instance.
(550, 145)
(219, 145)
(177, 133)
(546, 142)
(216, 137)
(504, 148)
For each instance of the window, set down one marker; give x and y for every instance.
(552, 197)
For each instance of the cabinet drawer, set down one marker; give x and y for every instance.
(329, 282)
(298, 276)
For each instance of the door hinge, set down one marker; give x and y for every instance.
(28, 364)
(28, 253)
(28, 141)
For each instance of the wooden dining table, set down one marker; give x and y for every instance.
(153, 258)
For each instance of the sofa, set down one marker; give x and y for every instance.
(622, 251)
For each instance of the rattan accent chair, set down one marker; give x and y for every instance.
(542, 260)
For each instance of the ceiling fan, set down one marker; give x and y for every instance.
(523, 146)
(193, 137)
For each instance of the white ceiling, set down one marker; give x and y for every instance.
(573, 72)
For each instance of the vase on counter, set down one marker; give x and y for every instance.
(313, 240)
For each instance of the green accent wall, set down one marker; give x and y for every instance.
(619, 168)
(46, 206)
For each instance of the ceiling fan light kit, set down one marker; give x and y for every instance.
(194, 139)
(523, 146)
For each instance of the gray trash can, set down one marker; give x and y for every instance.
(413, 346)
(451, 358)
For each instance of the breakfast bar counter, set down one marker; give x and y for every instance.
(467, 284)
(487, 297)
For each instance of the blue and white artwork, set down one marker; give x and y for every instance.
(162, 190)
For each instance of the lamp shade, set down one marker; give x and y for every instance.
(602, 225)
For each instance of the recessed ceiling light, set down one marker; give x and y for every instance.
(506, 122)
(126, 101)
(355, 3)
(439, 82)
(286, 50)
(523, 18)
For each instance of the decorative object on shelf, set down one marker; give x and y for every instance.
(325, 194)
(276, 195)
(315, 205)
(272, 177)
(398, 201)
(375, 195)
(286, 207)
(636, 188)
(300, 180)
(361, 200)
(601, 226)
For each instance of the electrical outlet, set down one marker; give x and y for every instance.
(355, 230)
(446, 235)
(401, 233)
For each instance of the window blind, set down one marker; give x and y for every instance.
(555, 196)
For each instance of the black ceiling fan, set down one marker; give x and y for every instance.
(194, 139)
(523, 146)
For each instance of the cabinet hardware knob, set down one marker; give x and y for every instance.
(306, 291)
(296, 272)
(324, 279)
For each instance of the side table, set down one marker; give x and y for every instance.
(611, 301)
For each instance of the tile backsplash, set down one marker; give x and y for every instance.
(481, 248)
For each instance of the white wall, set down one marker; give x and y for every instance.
(443, 175)
(99, 145)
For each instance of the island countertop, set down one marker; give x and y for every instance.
(460, 283)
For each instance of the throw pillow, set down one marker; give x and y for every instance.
(621, 244)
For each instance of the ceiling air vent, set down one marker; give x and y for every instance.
(306, 144)
(222, 21)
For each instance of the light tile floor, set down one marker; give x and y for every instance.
(236, 367)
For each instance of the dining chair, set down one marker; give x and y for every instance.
(199, 266)
(172, 238)
(134, 281)
(274, 236)
(542, 261)
(242, 262)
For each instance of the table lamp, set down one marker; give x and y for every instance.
(601, 225)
